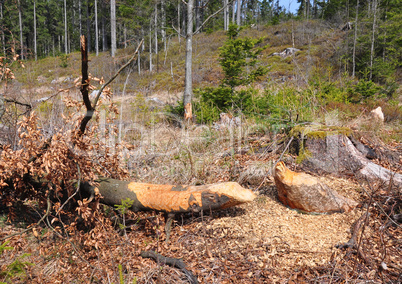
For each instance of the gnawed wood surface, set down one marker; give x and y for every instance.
(307, 193)
(172, 198)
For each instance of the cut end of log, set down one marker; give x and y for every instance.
(170, 198)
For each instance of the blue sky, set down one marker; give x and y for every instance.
(293, 5)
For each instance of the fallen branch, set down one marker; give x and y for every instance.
(174, 262)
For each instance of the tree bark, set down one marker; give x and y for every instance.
(170, 198)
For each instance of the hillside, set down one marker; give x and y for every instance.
(138, 134)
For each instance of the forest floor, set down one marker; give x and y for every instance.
(259, 242)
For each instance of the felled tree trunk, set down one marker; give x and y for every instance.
(331, 151)
(307, 193)
(171, 198)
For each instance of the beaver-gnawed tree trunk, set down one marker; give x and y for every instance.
(170, 198)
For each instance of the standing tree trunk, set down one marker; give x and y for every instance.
(188, 90)
(139, 62)
(373, 38)
(355, 41)
(197, 15)
(150, 48)
(163, 29)
(125, 35)
(233, 11)
(178, 22)
(35, 48)
(225, 15)
(20, 22)
(113, 25)
(96, 29)
(156, 34)
(88, 26)
(238, 13)
(3, 40)
(80, 16)
(65, 28)
(103, 26)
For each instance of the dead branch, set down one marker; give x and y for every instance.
(84, 83)
(174, 262)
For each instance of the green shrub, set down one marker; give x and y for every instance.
(363, 91)
(16, 269)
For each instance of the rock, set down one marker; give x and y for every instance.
(377, 114)
(287, 52)
(305, 192)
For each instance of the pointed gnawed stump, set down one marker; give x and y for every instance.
(305, 192)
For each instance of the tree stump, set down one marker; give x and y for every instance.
(329, 150)
(305, 192)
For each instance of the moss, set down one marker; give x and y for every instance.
(318, 131)
(303, 155)
(302, 133)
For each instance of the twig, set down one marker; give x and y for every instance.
(117, 73)
(37, 224)
(78, 188)
(174, 262)
(287, 146)
(84, 87)
(213, 15)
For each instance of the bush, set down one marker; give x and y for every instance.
(363, 91)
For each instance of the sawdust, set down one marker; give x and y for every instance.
(257, 238)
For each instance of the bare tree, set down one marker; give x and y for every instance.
(35, 49)
(355, 41)
(113, 25)
(163, 19)
(80, 16)
(20, 22)
(3, 40)
(238, 12)
(65, 28)
(188, 83)
(225, 15)
(373, 38)
(96, 29)
(188, 89)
